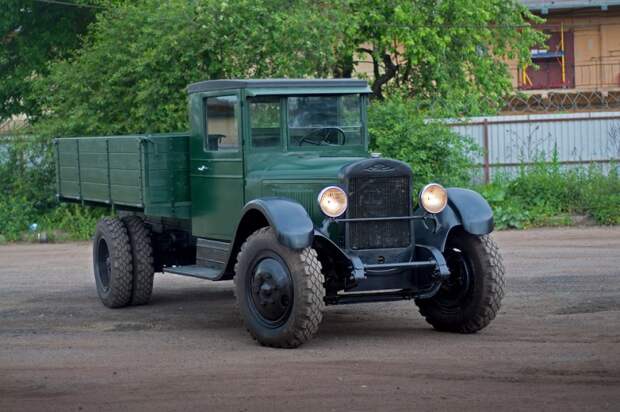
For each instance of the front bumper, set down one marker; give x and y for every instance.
(433, 259)
(416, 271)
(419, 279)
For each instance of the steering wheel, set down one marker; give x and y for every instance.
(329, 129)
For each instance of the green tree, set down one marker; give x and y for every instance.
(449, 51)
(33, 33)
(138, 57)
(435, 153)
(132, 73)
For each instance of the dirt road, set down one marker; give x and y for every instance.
(554, 346)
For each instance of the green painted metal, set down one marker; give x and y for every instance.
(234, 178)
(174, 175)
(295, 173)
(217, 184)
(144, 172)
(305, 91)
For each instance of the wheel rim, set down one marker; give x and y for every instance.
(456, 289)
(104, 264)
(270, 291)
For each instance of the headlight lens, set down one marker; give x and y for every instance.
(433, 198)
(333, 201)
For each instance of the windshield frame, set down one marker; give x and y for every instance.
(344, 149)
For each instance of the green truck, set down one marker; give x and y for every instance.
(273, 187)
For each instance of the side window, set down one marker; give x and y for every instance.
(265, 121)
(222, 123)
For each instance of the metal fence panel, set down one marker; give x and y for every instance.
(511, 141)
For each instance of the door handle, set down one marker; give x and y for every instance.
(203, 168)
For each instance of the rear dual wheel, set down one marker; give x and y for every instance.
(123, 262)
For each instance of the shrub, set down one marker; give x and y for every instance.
(27, 195)
(435, 153)
(508, 212)
(545, 194)
(548, 187)
(16, 214)
(27, 171)
(72, 221)
(601, 196)
(64, 222)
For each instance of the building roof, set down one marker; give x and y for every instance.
(215, 85)
(545, 5)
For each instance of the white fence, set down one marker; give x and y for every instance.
(508, 142)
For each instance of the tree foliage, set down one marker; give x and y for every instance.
(132, 73)
(31, 35)
(435, 153)
(451, 51)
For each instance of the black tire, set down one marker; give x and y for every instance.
(112, 263)
(470, 300)
(301, 311)
(142, 258)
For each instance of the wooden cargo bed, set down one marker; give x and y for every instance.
(143, 172)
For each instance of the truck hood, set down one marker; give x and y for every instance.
(298, 177)
(305, 167)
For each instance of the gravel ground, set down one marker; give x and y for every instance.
(555, 344)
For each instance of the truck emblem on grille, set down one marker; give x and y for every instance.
(379, 167)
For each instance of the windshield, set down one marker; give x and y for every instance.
(324, 120)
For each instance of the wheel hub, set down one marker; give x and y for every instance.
(457, 286)
(104, 264)
(271, 289)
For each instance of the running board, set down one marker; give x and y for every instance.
(195, 271)
(212, 253)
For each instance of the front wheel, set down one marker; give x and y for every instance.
(279, 291)
(470, 299)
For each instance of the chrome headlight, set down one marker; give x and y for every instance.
(333, 201)
(433, 198)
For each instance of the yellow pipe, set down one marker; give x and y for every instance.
(562, 49)
(525, 79)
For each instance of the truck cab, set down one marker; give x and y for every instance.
(269, 138)
(274, 188)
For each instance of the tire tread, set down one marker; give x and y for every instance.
(491, 300)
(121, 276)
(142, 253)
(312, 293)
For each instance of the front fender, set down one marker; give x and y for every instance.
(466, 208)
(290, 221)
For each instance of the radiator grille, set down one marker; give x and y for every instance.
(371, 197)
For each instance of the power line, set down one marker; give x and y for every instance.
(65, 3)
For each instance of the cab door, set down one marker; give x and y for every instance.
(216, 165)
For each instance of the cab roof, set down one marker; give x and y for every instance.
(216, 85)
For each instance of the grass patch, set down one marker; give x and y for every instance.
(547, 195)
(20, 221)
